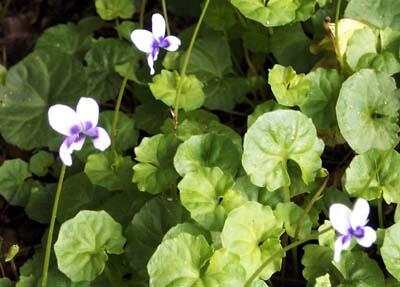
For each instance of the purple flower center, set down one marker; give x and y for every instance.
(358, 232)
(80, 132)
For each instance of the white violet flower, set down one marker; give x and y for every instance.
(151, 42)
(351, 224)
(76, 126)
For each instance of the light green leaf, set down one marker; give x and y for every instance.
(13, 174)
(320, 103)
(291, 214)
(5, 282)
(148, 227)
(187, 260)
(323, 281)
(207, 150)
(289, 88)
(207, 193)
(268, 106)
(269, 13)
(373, 174)
(390, 250)
(40, 80)
(363, 41)
(125, 29)
(68, 38)
(11, 253)
(385, 62)
(102, 58)
(112, 9)
(84, 242)
(275, 138)
(187, 227)
(367, 111)
(110, 171)
(220, 15)
(3, 74)
(40, 162)
(125, 132)
(164, 87)
(155, 173)
(252, 232)
(380, 13)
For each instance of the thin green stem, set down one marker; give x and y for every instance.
(141, 16)
(165, 12)
(186, 62)
(309, 206)
(380, 212)
(256, 273)
(286, 194)
(51, 228)
(337, 40)
(118, 105)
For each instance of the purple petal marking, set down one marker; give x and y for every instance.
(88, 126)
(75, 129)
(70, 140)
(359, 232)
(346, 238)
(164, 43)
(92, 133)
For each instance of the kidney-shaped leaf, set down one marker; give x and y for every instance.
(13, 174)
(207, 193)
(188, 260)
(112, 9)
(207, 150)
(373, 174)
(252, 231)
(40, 80)
(275, 138)
(84, 242)
(367, 111)
(391, 250)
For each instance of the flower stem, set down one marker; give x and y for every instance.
(51, 228)
(141, 16)
(256, 273)
(380, 212)
(186, 62)
(309, 206)
(337, 40)
(118, 105)
(164, 8)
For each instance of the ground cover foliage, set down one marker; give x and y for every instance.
(224, 164)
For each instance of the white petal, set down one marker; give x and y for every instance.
(62, 118)
(338, 249)
(65, 154)
(150, 62)
(174, 43)
(102, 141)
(77, 145)
(143, 40)
(368, 238)
(88, 111)
(158, 26)
(339, 216)
(359, 215)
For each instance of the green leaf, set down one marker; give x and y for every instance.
(207, 150)
(373, 174)
(380, 13)
(5, 282)
(40, 162)
(187, 260)
(147, 228)
(367, 111)
(68, 38)
(291, 214)
(12, 252)
(112, 9)
(187, 227)
(256, 38)
(220, 15)
(207, 193)
(13, 174)
(289, 88)
(125, 29)
(269, 13)
(110, 171)
(323, 281)
(102, 58)
(358, 269)
(363, 41)
(125, 132)
(84, 242)
(40, 80)
(252, 232)
(275, 138)
(3, 74)
(320, 103)
(268, 106)
(155, 173)
(385, 62)
(40, 202)
(164, 87)
(390, 250)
